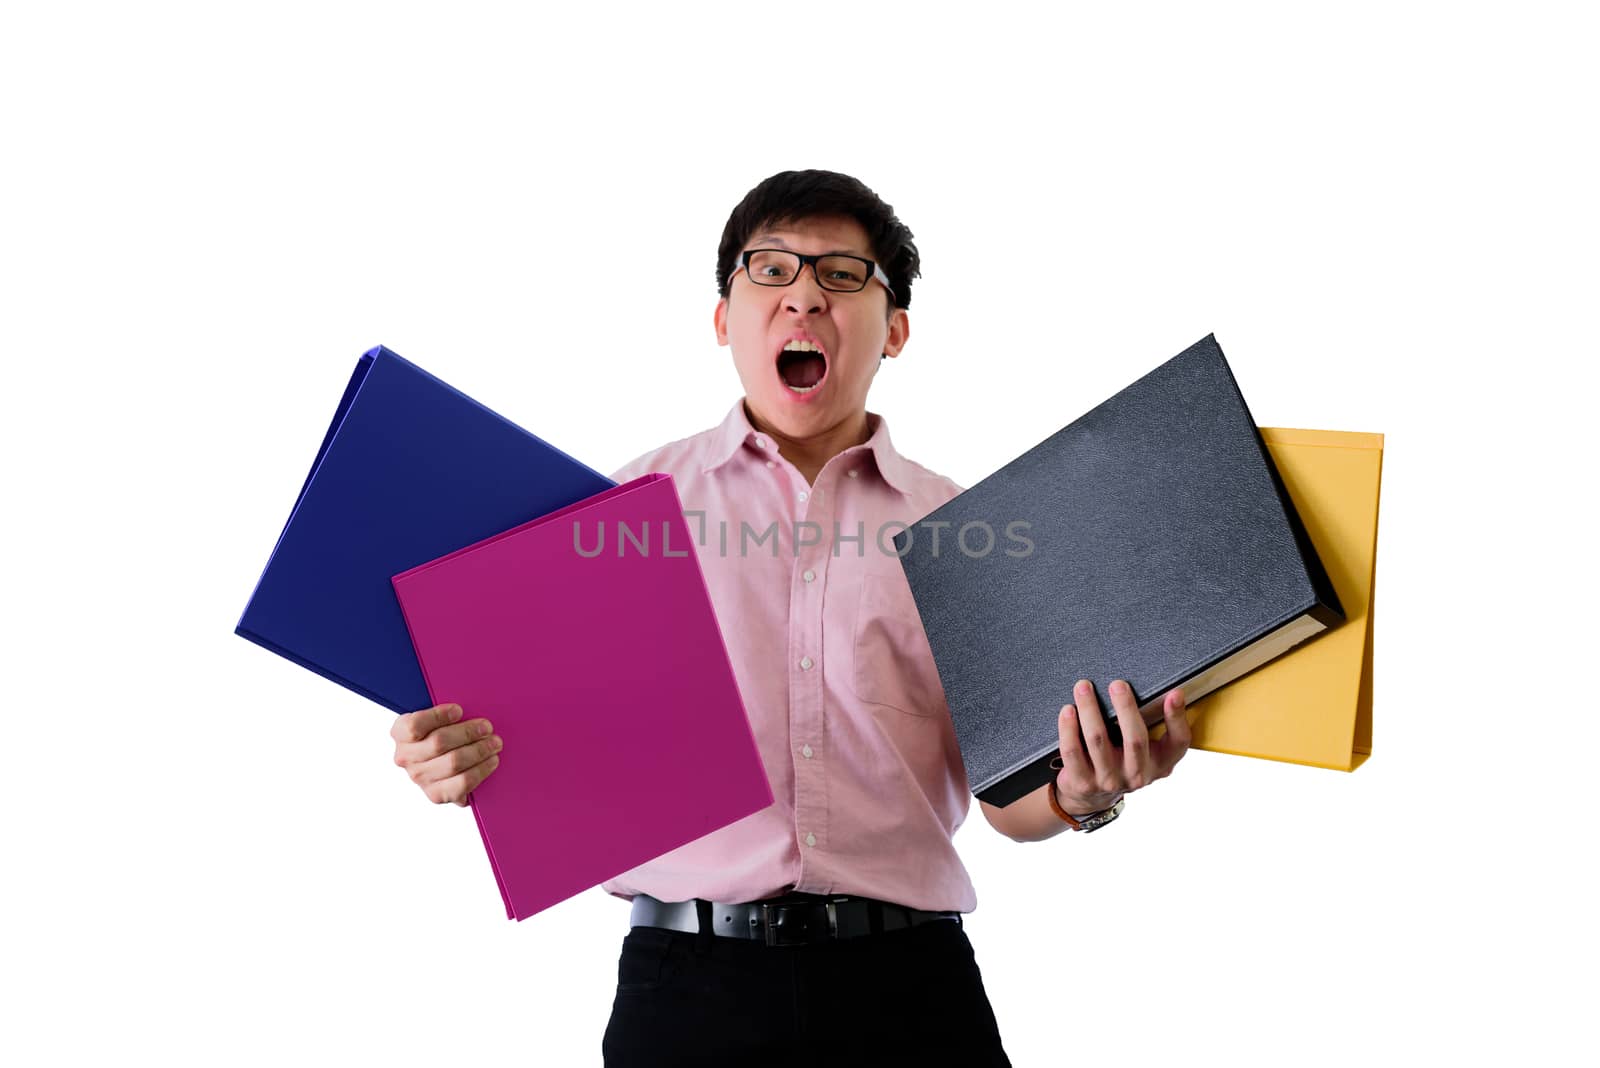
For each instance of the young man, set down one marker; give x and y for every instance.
(827, 926)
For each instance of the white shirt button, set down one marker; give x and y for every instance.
(853, 473)
(771, 464)
(805, 751)
(811, 839)
(808, 575)
(803, 495)
(805, 663)
(761, 442)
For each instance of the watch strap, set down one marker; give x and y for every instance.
(1088, 822)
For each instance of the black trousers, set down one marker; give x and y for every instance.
(907, 996)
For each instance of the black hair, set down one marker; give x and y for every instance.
(791, 196)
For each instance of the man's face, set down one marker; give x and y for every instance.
(849, 330)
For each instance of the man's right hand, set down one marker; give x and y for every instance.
(444, 755)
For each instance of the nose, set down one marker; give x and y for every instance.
(805, 295)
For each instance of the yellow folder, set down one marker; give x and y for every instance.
(1314, 704)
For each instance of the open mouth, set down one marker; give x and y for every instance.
(802, 365)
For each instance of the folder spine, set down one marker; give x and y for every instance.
(484, 409)
(312, 666)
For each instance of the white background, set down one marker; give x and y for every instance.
(1386, 213)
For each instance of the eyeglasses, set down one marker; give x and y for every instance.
(836, 271)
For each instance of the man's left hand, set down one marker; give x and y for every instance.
(1094, 773)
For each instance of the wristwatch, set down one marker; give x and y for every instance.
(1091, 822)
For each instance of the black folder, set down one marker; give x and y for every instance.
(1150, 540)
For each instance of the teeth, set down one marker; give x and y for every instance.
(801, 346)
(802, 389)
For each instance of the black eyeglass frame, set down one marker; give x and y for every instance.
(874, 271)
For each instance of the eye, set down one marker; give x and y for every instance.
(770, 267)
(843, 271)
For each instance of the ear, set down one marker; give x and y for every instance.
(899, 332)
(719, 319)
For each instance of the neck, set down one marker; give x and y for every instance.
(810, 454)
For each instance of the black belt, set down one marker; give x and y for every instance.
(792, 920)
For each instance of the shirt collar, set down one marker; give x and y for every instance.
(736, 433)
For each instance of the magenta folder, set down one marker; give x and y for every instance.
(588, 639)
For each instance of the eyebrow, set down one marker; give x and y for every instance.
(780, 243)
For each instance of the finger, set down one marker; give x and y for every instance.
(441, 741)
(1077, 774)
(415, 726)
(454, 736)
(457, 788)
(1136, 767)
(1175, 713)
(456, 761)
(1102, 754)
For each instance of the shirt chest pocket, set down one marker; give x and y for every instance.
(893, 663)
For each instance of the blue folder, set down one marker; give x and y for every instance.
(409, 470)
